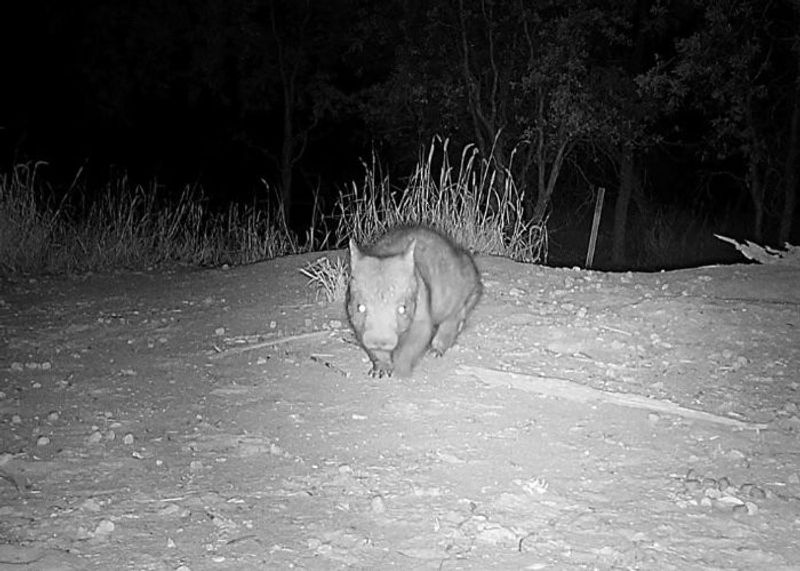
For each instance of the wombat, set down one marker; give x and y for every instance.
(411, 290)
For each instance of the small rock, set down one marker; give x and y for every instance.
(709, 482)
(42, 441)
(94, 437)
(91, 505)
(128, 439)
(105, 527)
(219, 331)
(53, 416)
(377, 505)
(16, 419)
(693, 485)
(730, 501)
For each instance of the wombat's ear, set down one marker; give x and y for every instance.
(355, 253)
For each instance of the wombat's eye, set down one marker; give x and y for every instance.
(362, 308)
(401, 309)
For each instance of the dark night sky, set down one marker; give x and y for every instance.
(191, 91)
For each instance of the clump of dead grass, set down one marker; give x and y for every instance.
(474, 203)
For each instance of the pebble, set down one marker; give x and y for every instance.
(377, 505)
(105, 527)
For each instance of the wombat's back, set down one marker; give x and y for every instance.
(449, 272)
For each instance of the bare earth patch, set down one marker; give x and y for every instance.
(225, 420)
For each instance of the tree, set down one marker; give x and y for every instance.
(726, 71)
(509, 75)
(791, 176)
(288, 49)
(629, 112)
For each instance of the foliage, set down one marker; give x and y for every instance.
(728, 74)
(508, 75)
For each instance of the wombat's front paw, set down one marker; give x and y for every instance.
(381, 369)
(437, 350)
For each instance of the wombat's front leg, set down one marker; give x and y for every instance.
(412, 345)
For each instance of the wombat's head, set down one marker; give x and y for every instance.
(382, 296)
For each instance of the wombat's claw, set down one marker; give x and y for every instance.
(436, 349)
(380, 371)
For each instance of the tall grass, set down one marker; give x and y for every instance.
(476, 204)
(126, 226)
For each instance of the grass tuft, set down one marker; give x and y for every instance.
(127, 226)
(329, 278)
(130, 226)
(475, 204)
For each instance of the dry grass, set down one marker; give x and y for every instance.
(126, 226)
(131, 226)
(328, 278)
(475, 204)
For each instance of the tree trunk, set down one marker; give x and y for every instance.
(792, 159)
(547, 184)
(627, 182)
(287, 149)
(755, 186)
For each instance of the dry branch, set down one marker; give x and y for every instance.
(580, 393)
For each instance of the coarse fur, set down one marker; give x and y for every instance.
(411, 290)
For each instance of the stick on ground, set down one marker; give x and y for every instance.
(580, 393)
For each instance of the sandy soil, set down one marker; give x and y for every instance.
(224, 419)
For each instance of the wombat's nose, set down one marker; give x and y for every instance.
(380, 342)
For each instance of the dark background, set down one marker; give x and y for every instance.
(225, 93)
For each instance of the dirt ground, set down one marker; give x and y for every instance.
(224, 419)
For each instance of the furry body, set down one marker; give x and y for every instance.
(411, 290)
